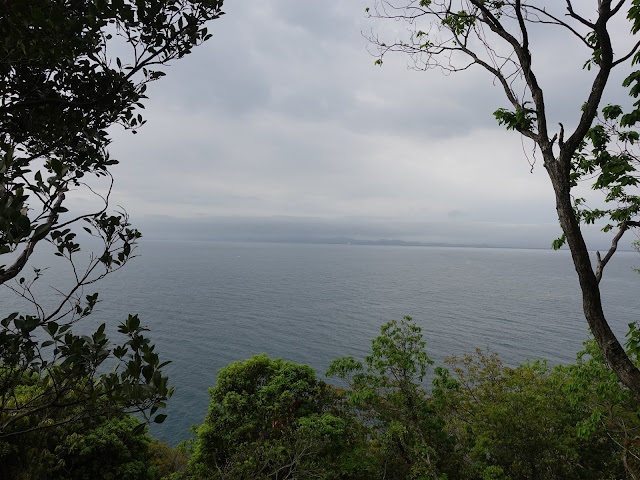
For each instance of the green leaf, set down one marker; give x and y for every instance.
(138, 429)
(160, 418)
(559, 242)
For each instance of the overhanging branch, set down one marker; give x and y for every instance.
(21, 261)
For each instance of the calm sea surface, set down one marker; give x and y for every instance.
(209, 304)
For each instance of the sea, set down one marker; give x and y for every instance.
(209, 304)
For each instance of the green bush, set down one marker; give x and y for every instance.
(271, 418)
(481, 420)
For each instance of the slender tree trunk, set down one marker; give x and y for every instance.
(614, 353)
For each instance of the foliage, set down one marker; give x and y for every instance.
(61, 91)
(97, 447)
(273, 419)
(609, 158)
(406, 433)
(533, 421)
(518, 422)
(609, 410)
(481, 420)
(166, 460)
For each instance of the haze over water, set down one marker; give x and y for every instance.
(209, 304)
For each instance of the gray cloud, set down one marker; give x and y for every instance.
(282, 112)
(358, 229)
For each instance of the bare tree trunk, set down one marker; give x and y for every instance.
(614, 353)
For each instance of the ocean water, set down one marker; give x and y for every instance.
(209, 304)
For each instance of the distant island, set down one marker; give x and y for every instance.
(379, 242)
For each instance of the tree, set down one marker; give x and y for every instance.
(389, 397)
(62, 89)
(608, 410)
(166, 460)
(532, 421)
(496, 35)
(274, 419)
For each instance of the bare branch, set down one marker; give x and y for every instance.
(557, 21)
(524, 57)
(104, 198)
(615, 9)
(582, 20)
(523, 27)
(614, 246)
(627, 56)
(590, 108)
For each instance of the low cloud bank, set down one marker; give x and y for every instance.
(363, 230)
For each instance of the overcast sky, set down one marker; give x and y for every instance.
(284, 114)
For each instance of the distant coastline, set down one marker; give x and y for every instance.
(383, 242)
